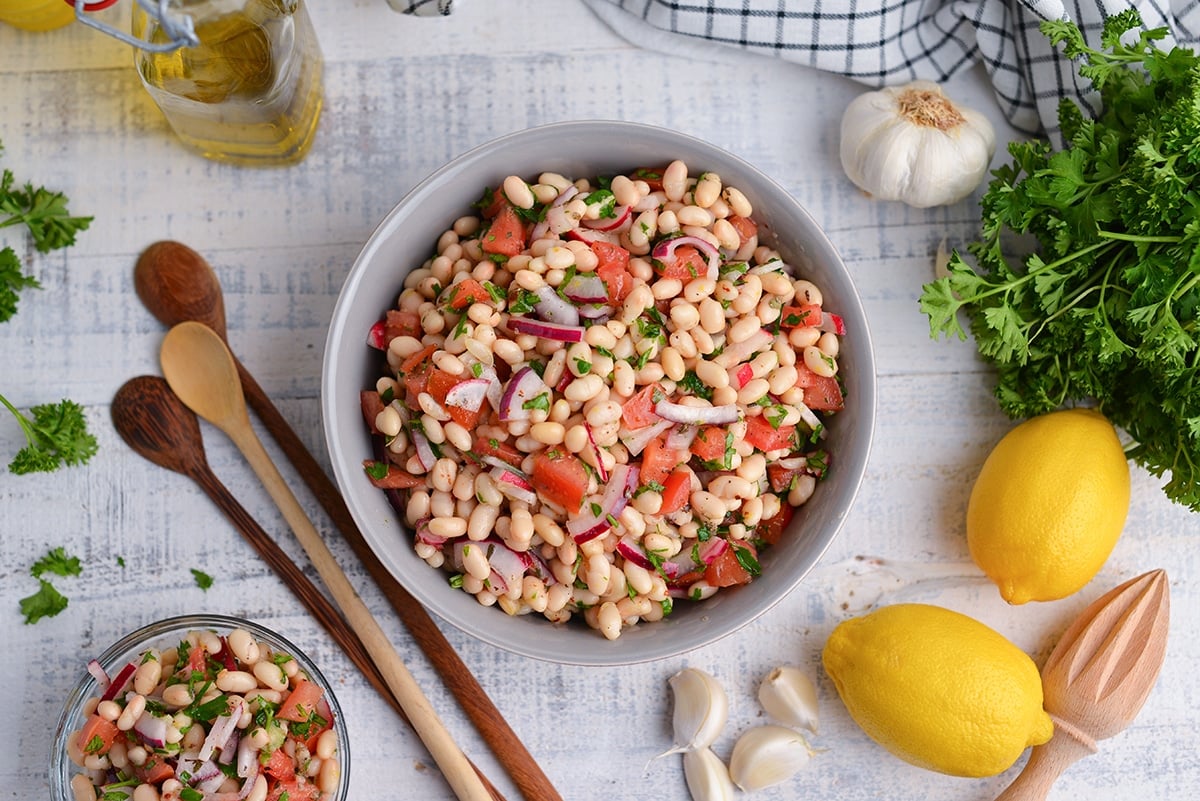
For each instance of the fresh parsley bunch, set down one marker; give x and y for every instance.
(1106, 306)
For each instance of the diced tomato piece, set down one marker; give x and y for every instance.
(401, 324)
(461, 295)
(560, 478)
(280, 765)
(315, 731)
(154, 771)
(689, 263)
(821, 393)
(613, 269)
(676, 491)
(771, 531)
(639, 411)
(416, 381)
(746, 227)
(651, 175)
(805, 315)
(440, 383)
(197, 659)
(499, 201)
(727, 570)
(395, 478)
(506, 235)
(781, 477)
(301, 701)
(371, 405)
(709, 444)
(504, 451)
(762, 435)
(416, 359)
(659, 461)
(97, 735)
(297, 788)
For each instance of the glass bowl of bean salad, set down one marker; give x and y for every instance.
(201, 708)
(599, 392)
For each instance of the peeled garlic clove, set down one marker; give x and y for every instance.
(701, 709)
(767, 755)
(707, 777)
(789, 696)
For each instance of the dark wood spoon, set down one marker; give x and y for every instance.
(156, 424)
(176, 284)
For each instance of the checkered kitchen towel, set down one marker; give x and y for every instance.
(886, 42)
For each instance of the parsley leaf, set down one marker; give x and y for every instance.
(203, 580)
(56, 435)
(46, 602)
(12, 280)
(43, 212)
(57, 562)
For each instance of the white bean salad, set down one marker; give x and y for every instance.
(215, 718)
(602, 396)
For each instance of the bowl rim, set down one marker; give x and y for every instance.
(61, 767)
(341, 326)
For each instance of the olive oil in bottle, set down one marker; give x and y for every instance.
(251, 92)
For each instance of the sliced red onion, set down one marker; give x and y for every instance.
(117, 686)
(540, 569)
(621, 216)
(681, 437)
(832, 323)
(665, 252)
(97, 671)
(496, 461)
(185, 766)
(546, 330)
(247, 786)
(712, 548)
(230, 749)
(468, 394)
(636, 441)
(553, 309)
(739, 352)
(809, 417)
(152, 729)
(633, 552)
(247, 760)
(557, 219)
(377, 336)
(508, 566)
(740, 375)
(792, 463)
(209, 777)
(773, 266)
(600, 468)
(495, 390)
(695, 415)
(425, 453)
(424, 535)
(513, 485)
(591, 236)
(524, 386)
(586, 288)
(222, 728)
(595, 312)
(616, 494)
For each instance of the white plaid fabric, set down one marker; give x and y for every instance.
(885, 42)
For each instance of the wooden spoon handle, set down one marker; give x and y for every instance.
(307, 593)
(449, 758)
(489, 722)
(1046, 763)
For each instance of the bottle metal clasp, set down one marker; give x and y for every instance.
(179, 27)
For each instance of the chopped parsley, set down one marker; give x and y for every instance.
(606, 200)
(541, 401)
(203, 580)
(597, 509)
(524, 302)
(497, 292)
(538, 367)
(583, 366)
(387, 396)
(456, 581)
(692, 384)
(57, 562)
(377, 470)
(775, 416)
(746, 559)
(477, 369)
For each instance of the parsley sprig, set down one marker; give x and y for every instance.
(56, 434)
(1106, 307)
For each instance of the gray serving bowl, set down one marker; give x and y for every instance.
(404, 240)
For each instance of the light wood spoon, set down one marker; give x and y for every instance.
(176, 284)
(202, 373)
(1098, 677)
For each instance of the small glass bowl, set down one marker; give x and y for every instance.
(166, 634)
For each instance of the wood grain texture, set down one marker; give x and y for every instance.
(403, 97)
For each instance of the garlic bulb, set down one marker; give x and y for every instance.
(701, 709)
(767, 755)
(706, 776)
(788, 696)
(911, 143)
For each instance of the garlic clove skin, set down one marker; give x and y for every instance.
(789, 697)
(706, 776)
(910, 143)
(701, 709)
(767, 755)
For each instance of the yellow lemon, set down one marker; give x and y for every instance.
(1049, 505)
(938, 689)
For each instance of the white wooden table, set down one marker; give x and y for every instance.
(403, 96)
